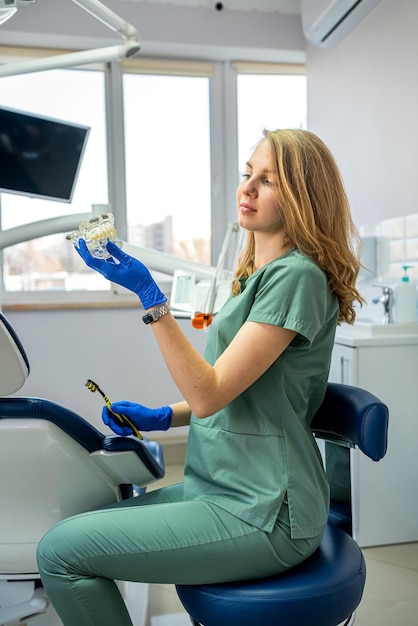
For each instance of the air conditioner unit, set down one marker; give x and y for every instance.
(326, 22)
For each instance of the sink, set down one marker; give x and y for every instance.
(372, 327)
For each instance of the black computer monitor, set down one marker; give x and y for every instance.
(40, 156)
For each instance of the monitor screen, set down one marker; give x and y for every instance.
(40, 156)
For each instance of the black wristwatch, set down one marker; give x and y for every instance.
(155, 314)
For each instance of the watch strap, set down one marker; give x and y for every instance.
(155, 314)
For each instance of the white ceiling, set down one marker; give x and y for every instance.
(271, 6)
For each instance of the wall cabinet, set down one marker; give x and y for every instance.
(385, 494)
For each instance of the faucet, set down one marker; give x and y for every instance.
(387, 301)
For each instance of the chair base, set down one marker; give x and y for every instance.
(350, 621)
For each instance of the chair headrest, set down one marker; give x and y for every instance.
(355, 416)
(14, 364)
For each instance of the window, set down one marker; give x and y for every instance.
(180, 132)
(269, 96)
(167, 148)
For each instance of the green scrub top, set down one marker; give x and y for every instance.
(259, 451)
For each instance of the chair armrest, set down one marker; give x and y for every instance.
(130, 460)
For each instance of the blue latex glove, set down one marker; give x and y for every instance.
(142, 417)
(125, 271)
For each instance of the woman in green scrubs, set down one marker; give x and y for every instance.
(254, 501)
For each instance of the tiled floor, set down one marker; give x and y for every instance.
(391, 593)
(390, 596)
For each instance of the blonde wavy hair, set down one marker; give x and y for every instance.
(315, 208)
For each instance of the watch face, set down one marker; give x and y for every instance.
(147, 319)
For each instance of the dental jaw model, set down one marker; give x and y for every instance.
(96, 232)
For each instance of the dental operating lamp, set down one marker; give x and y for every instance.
(158, 261)
(211, 284)
(99, 55)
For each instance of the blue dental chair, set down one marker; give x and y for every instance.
(54, 464)
(326, 589)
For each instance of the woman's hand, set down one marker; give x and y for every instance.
(126, 271)
(141, 416)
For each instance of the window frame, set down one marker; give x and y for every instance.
(224, 158)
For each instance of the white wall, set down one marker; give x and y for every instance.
(362, 93)
(363, 101)
(113, 347)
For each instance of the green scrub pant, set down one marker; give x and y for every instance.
(156, 538)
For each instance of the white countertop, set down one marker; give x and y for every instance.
(375, 334)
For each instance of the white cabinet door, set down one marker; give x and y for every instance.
(385, 496)
(344, 366)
